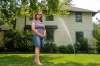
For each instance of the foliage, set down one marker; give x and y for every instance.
(82, 47)
(66, 49)
(96, 34)
(10, 9)
(20, 41)
(50, 47)
(7, 11)
(10, 36)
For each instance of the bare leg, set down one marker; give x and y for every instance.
(37, 56)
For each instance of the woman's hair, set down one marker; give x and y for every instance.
(40, 17)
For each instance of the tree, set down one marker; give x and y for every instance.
(10, 9)
(96, 35)
(7, 11)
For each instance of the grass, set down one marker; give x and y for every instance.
(50, 60)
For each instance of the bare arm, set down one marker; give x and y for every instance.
(45, 32)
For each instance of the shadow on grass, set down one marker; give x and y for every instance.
(24, 60)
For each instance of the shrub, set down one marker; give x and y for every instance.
(98, 46)
(82, 47)
(20, 41)
(66, 49)
(9, 39)
(96, 35)
(1, 49)
(50, 47)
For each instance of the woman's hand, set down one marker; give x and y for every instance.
(44, 33)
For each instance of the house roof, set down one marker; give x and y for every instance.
(77, 9)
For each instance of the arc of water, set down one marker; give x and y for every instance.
(67, 31)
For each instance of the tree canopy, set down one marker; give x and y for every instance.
(9, 9)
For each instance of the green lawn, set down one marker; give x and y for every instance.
(50, 60)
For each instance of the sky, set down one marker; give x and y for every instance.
(87, 4)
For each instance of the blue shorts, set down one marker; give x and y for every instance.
(37, 41)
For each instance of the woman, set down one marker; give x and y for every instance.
(39, 33)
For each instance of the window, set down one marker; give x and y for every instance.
(79, 37)
(50, 35)
(27, 28)
(78, 16)
(50, 18)
(50, 32)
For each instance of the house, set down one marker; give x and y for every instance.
(71, 28)
(64, 30)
